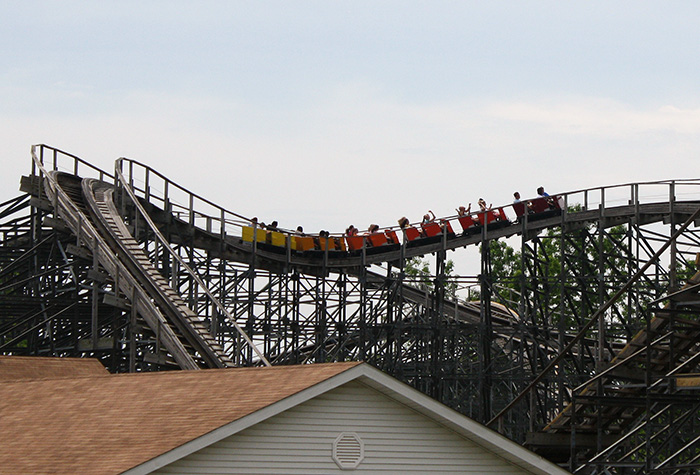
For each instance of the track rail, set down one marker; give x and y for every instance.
(99, 195)
(184, 339)
(73, 215)
(145, 222)
(641, 214)
(117, 220)
(637, 203)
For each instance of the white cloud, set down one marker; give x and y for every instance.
(599, 118)
(356, 156)
(322, 116)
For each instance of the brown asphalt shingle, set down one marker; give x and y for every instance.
(14, 368)
(108, 424)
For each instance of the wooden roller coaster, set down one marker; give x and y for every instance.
(586, 350)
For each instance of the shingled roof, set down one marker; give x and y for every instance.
(105, 424)
(54, 421)
(14, 368)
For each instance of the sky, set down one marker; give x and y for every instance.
(325, 114)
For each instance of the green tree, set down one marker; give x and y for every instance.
(569, 276)
(419, 275)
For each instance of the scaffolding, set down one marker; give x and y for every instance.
(584, 348)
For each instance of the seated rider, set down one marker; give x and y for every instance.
(462, 211)
(545, 195)
(528, 205)
(482, 205)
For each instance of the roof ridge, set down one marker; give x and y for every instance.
(309, 367)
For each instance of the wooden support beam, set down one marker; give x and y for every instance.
(30, 184)
(80, 252)
(41, 204)
(688, 381)
(118, 302)
(563, 440)
(57, 224)
(97, 276)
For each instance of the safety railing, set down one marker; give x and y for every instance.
(154, 187)
(126, 185)
(151, 185)
(89, 237)
(638, 193)
(53, 159)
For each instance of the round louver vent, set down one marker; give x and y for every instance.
(348, 450)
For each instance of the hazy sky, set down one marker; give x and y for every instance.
(326, 113)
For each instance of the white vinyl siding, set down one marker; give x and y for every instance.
(300, 441)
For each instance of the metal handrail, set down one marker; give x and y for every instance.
(222, 215)
(87, 233)
(184, 266)
(587, 197)
(76, 161)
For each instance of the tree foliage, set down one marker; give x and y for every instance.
(570, 276)
(419, 275)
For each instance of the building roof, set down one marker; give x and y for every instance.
(105, 424)
(13, 368)
(110, 423)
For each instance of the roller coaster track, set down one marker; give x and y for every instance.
(646, 377)
(186, 322)
(87, 207)
(279, 259)
(276, 258)
(227, 224)
(614, 420)
(64, 191)
(140, 231)
(86, 204)
(613, 400)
